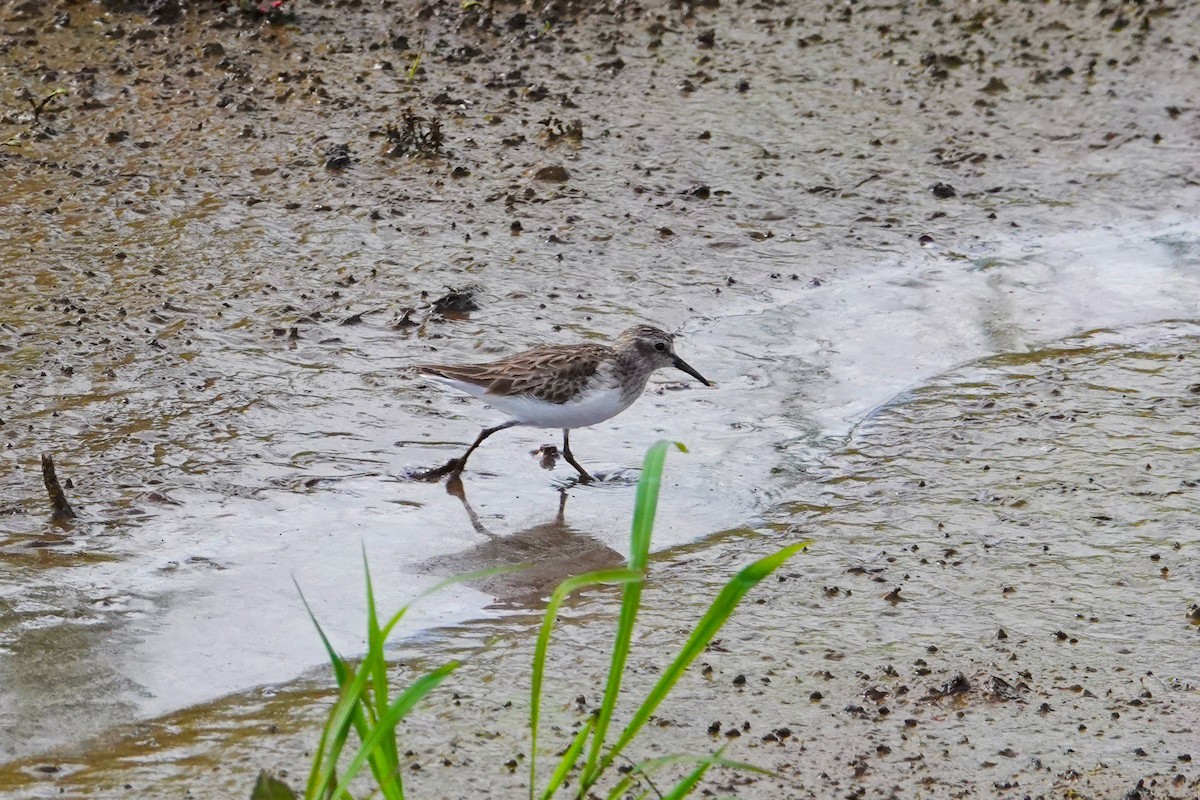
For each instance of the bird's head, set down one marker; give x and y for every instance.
(656, 347)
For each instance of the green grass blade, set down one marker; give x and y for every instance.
(386, 727)
(451, 581)
(339, 666)
(568, 759)
(619, 790)
(542, 645)
(268, 787)
(385, 760)
(353, 710)
(685, 786)
(347, 713)
(645, 507)
(343, 674)
(653, 764)
(646, 503)
(716, 616)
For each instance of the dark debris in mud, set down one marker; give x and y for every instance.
(337, 156)
(456, 303)
(414, 135)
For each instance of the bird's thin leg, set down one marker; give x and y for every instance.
(485, 433)
(583, 475)
(454, 466)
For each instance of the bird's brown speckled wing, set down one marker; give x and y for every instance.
(554, 373)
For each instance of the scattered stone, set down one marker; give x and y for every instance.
(456, 301)
(555, 173)
(995, 86)
(943, 191)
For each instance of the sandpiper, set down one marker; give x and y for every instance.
(561, 386)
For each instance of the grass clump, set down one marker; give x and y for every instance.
(366, 707)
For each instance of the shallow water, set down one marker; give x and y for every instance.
(145, 622)
(182, 330)
(1025, 521)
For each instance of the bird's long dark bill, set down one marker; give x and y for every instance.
(683, 365)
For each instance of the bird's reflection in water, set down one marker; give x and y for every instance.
(551, 551)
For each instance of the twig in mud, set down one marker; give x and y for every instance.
(633, 767)
(58, 498)
(40, 105)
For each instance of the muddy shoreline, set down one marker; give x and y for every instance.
(224, 238)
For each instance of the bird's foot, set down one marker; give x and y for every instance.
(584, 477)
(453, 468)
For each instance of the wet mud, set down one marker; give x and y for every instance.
(997, 605)
(225, 237)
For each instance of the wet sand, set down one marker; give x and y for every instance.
(881, 229)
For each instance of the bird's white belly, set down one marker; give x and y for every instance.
(587, 409)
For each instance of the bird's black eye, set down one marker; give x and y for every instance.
(660, 347)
